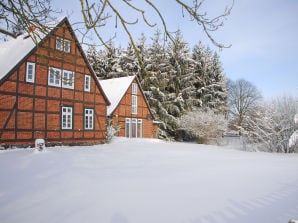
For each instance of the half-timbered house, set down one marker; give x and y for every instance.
(48, 90)
(129, 109)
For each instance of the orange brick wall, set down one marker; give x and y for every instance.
(29, 111)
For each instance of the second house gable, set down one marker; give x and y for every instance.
(130, 113)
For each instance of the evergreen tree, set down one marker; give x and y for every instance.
(156, 85)
(175, 80)
(217, 86)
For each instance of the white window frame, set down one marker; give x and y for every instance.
(129, 133)
(134, 88)
(134, 104)
(66, 117)
(54, 76)
(30, 72)
(134, 124)
(66, 45)
(87, 84)
(68, 79)
(89, 119)
(140, 128)
(127, 127)
(63, 44)
(59, 43)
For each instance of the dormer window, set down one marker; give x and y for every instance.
(63, 44)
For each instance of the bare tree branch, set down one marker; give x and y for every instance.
(17, 16)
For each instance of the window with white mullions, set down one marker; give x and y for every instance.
(63, 44)
(66, 117)
(66, 46)
(59, 43)
(89, 118)
(30, 72)
(134, 104)
(87, 86)
(133, 128)
(127, 127)
(54, 78)
(140, 128)
(68, 79)
(134, 88)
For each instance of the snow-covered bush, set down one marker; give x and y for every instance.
(293, 142)
(204, 124)
(112, 129)
(272, 126)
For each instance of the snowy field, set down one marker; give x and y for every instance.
(147, 181)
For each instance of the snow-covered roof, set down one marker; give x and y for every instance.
(13, 51)
(115, 89)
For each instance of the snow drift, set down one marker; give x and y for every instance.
(145, 181)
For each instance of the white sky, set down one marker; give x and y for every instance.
(263, 35)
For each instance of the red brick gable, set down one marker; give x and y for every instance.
(34, 110)
(122, 110)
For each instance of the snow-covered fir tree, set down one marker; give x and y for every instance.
(105, 62)
(217, 85)
(175, 80)
(156, 84)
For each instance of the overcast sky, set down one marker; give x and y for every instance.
(263, 34)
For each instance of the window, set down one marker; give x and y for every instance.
(66, 121)
(68, 79)
(30, 72)
(140, 128)
(133, 128)
(89, 118)
(56, 75)
(63, 44)
(59, 43)
(134, 104)
(54, 78)
(127, 127)
(87, 83)
(134, 87)
(67, 46)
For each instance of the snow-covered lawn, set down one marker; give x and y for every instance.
(147, 181)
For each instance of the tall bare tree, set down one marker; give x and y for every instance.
(243, 99)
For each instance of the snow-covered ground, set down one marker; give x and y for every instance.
(147, 181)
